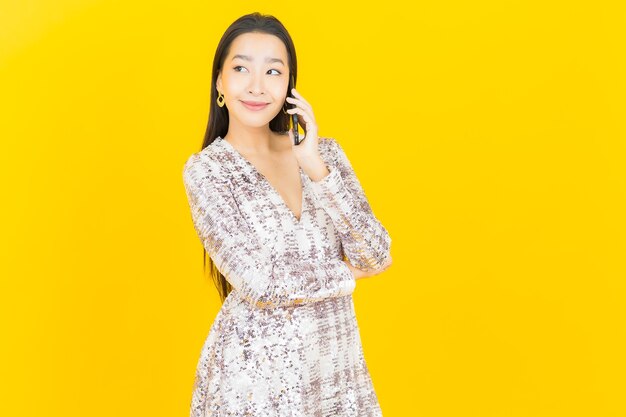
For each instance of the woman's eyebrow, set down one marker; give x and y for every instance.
(249, 58)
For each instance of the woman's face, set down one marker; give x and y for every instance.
(255, 70)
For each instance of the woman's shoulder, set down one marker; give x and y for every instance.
(205, 161)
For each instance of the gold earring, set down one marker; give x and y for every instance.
(220, 99)
(285, 111)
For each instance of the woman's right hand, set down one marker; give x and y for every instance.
(359, 273)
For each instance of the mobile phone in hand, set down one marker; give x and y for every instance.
(294, 116)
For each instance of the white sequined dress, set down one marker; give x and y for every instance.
(286, 340)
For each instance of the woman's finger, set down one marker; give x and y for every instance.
(310, 122)
(300, 103)
(299, 97)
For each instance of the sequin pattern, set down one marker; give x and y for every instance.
(286, 341)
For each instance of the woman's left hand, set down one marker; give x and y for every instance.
(308, 147)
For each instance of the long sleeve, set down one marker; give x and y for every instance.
(366, 242)
(249, 266)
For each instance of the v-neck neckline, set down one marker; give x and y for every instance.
(253, 169)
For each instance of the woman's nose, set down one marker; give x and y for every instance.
(256, 84)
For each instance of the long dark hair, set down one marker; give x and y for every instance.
(218, 116)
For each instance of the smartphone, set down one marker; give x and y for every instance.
(294, 117)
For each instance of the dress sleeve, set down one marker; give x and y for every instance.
(366, 243)
(261, 278)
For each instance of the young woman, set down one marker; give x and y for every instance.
(289, 230)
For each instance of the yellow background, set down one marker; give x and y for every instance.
(490, 138)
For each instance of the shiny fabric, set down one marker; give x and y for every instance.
(286, 341)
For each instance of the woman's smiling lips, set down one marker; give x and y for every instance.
(254, 105)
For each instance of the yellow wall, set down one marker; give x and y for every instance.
(489, 137)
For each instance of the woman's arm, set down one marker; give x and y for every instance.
(250, 267)
(359, 273)
(366, 242)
